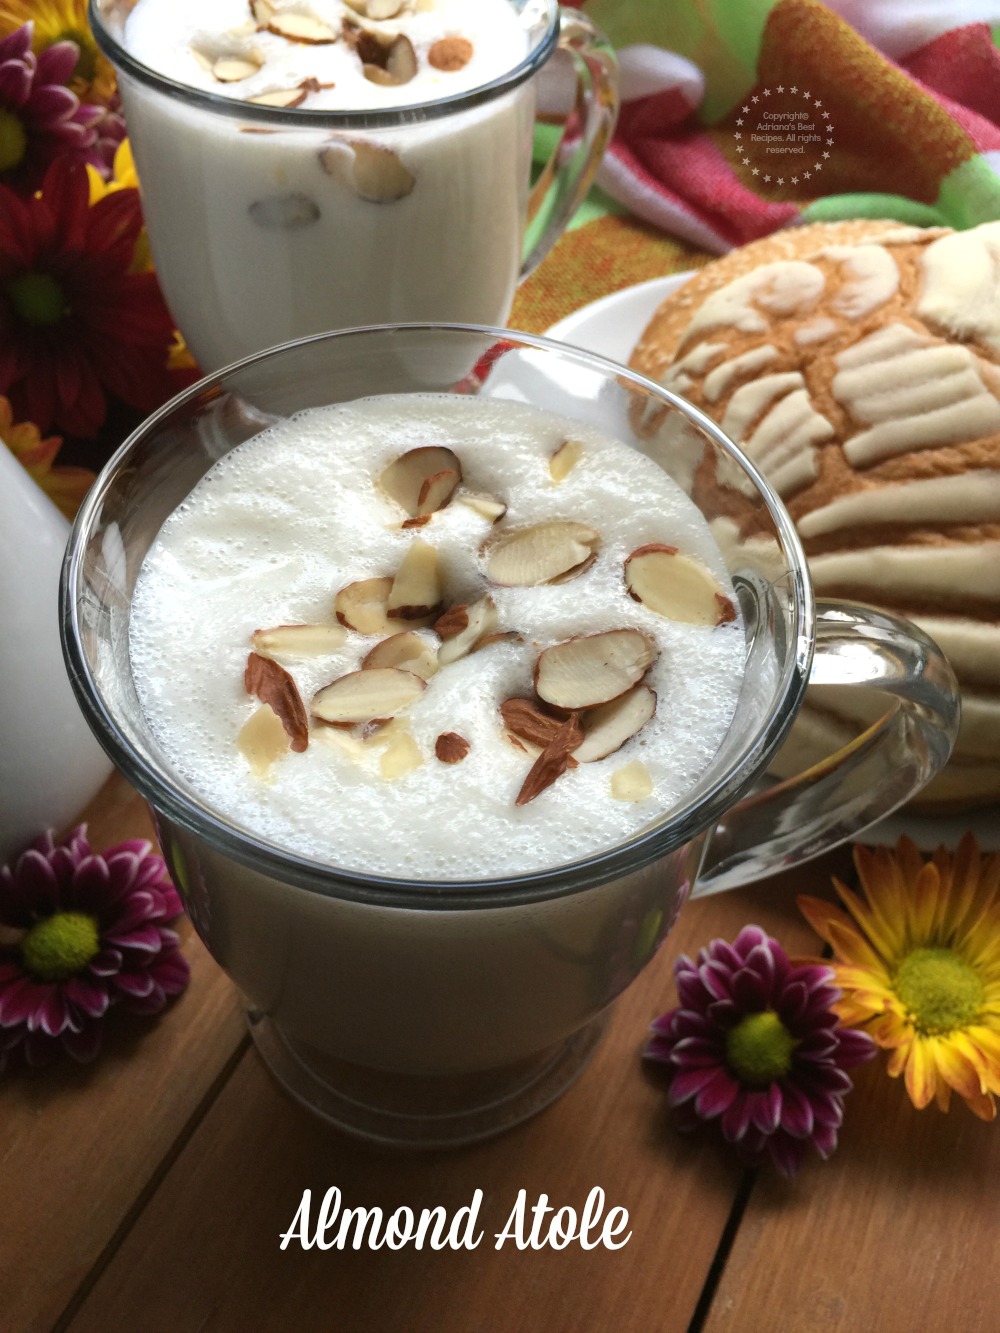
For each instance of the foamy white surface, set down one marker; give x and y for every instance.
(283, 522)
(164, 35)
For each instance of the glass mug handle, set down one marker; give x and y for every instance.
(888, 763)
(568, 174)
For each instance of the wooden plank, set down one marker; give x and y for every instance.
(205, 1253)
(898, 1231)
(79, 1144)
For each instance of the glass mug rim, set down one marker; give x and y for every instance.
(331, 119)
(692, 816)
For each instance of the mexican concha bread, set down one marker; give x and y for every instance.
(858, 364)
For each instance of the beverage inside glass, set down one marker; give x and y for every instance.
(273, 219)
(429, 1011)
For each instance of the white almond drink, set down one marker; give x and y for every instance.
(440, 639)
(267, 230)
(435, 638)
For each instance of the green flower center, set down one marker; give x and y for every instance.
(60, 946)
(759, 1048)
(37, 298)
(939, 990)
(13, 140)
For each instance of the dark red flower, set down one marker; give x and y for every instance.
(80, 933)
(755, 1044)
(40, 119)
(75, 323)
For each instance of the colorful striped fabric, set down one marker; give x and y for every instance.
(743, 116)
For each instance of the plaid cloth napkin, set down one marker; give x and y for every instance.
(743, 116)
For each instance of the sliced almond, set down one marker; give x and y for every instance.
(408, 651)
(565, 459)
(451, 748)
(298, 640)
(232, 69)
(632, 782)
(263, 12)
(401, 61)
(501, 636)
(450, 53)
(401, 756)
(284, 97)
(379, 74)
(301, 28)
(676, 586)
(363, 696)
(374, 172)
(480, 619)
(593, 669)
(273, 685)
(484, 505)
(553, 760)
(378, 10)
(422, 480)
(203, 60)
(607, 728)
(529, 557)
(362, 606)
(529, 722)
(262, 740)
(416, 589)
(420, 521)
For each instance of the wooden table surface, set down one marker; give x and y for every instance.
(147, 1192)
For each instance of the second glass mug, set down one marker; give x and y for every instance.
(271, 223)
(427, 1013)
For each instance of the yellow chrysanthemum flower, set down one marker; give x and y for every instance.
(65, 486)
(918, 961)
(59, 21)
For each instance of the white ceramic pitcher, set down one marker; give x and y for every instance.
(50, 764)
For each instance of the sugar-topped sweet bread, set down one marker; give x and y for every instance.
(858, 365)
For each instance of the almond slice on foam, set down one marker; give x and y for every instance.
(262, 740)
(408, 651)
(416, 589)
(273, 685)
(676, 586)
(564, 460)
(592, 669)
(607, 728)
(362, 606)
(451, 748)
(234, 69)
(529, 557)
(553, 760)
(283, 97)
(450, 53)
(462, 626)
(527, 722)
(402, 755)
(298, 640)
(486, 506)
(364, 696)
(422, 480)
(301, 28)
(632, 782)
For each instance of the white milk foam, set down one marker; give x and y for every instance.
(280, 524)
(165, 35)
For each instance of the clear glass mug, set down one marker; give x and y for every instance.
(431, 1013)
(268, 223)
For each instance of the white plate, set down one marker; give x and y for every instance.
(611, 327)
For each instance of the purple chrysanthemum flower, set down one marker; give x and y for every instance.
(79, 933)
(40, 119)
(756, 1045)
